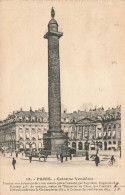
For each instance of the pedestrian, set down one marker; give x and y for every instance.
(97, 160)
(61, 156)
(70, 156)
(66, 158)
(30, 158)
(87, 155)
(112, 159)
(39, 156)
(13, 163)
(57, 156)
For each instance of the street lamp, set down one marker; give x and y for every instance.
(97, 144)
(17, 147)
(120, 148)
(30, 144)
(87, 149)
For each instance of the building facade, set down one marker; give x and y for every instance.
(100, 131)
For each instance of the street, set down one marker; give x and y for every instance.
(37, 170)
(52, 164)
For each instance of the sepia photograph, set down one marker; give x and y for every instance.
(62, 66)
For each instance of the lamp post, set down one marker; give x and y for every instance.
(17, 147)
(87, 149)
(97, 144)
(120, 148)
(30, 144)
(4, 145)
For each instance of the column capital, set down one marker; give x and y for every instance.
(53, 33)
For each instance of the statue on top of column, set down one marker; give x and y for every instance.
(52, 12)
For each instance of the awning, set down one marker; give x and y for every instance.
(26, 118)
(27, 145)
(20, 135)
(27, 135)
(40, 145)
(104, 134)
(109, 133)
(21, 146)
(92, 145)
(40, 136)
(33, 145)
(33, 135)
(99, 126)
(99, 134)
(114, 133)
(32, 118)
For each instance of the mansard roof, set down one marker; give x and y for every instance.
(75, 117)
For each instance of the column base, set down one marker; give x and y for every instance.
(55, 142)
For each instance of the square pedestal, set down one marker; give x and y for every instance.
(55, 142)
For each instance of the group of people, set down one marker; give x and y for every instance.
(97, 159)
(61, 157)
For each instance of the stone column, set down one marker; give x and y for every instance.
(55, 140)
(54, 96)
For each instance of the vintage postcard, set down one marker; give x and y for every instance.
(62, 84)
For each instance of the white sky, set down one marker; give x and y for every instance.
(92, 54)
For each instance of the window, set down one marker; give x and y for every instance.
(73, 144)
(113, 134)
(40, 145)
(99, 135)
(105, 127)
(114, 126)
(110, 142)
(27, 146)
(80, 145)
(114, 142)
(109, 126)
(80, 128)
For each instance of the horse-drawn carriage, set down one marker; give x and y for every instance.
(37, 154)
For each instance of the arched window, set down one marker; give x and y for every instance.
(80, 145)
(33, 145)
(21, 146)
(100, 145)
(74, 145)
(110, 142)
(44, 120)
(40, 145)
(27, 145)
(105, 145)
